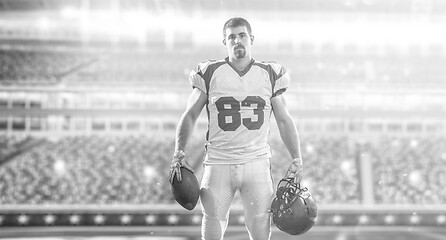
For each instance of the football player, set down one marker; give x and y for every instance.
(239, 94)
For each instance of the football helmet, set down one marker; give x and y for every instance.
(294, 209)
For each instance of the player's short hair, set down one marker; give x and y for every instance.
(236, 22)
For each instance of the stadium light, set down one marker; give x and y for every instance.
(74, 219)
(416, 180)
(415, 219)
(150, 173)
(99, 219)
(389, 219)
(414, 143)
(173, 219)
(60, 167)
(337, 219)
(309, 148)
(69, 12)
(111, 149)
(125, 219)
(441, 219)
(196, 219)
(23, 219)
(49, 219)
(358, 31)
(241, 219)
(134, 24)
(107, 21)
(43, 23)
(151, 219)
(347, 168)
(363, 219)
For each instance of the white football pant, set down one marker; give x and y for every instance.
(218, 186)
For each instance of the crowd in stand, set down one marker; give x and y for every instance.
(88, 170)
(137, 68)
(38, 67)
(409, 170)
(133, 170)
(158, 66)
(330, 170)
(10, 145)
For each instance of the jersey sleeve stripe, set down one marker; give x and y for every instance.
(274, 76)
(209, 71)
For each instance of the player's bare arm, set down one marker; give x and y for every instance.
(289, 135)
(195, 104)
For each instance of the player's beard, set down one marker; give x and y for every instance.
(239, 51)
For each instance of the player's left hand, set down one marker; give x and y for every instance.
(295, 170)
(178, 161)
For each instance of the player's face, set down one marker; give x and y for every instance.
(238, 42)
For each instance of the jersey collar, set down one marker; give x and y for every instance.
(243, 72)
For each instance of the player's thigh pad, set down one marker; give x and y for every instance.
(216, 195)
(257, 193)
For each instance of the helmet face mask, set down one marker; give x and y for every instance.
(294, 209)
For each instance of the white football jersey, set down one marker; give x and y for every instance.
(238, 108)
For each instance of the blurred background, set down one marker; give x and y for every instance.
(91, 92)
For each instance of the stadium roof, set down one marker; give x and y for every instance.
(383, 6)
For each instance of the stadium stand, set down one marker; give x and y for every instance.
(38, 67)
(156, 66)
(10, 145)
(133, 169)
(330, 170)
(409, 170)
(136, 68)
(90, 170)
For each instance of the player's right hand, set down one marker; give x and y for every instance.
(178, 161)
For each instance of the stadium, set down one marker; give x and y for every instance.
(91, 92)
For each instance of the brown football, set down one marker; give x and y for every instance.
(187, 191)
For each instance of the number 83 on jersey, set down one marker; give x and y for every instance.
(230, 117)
